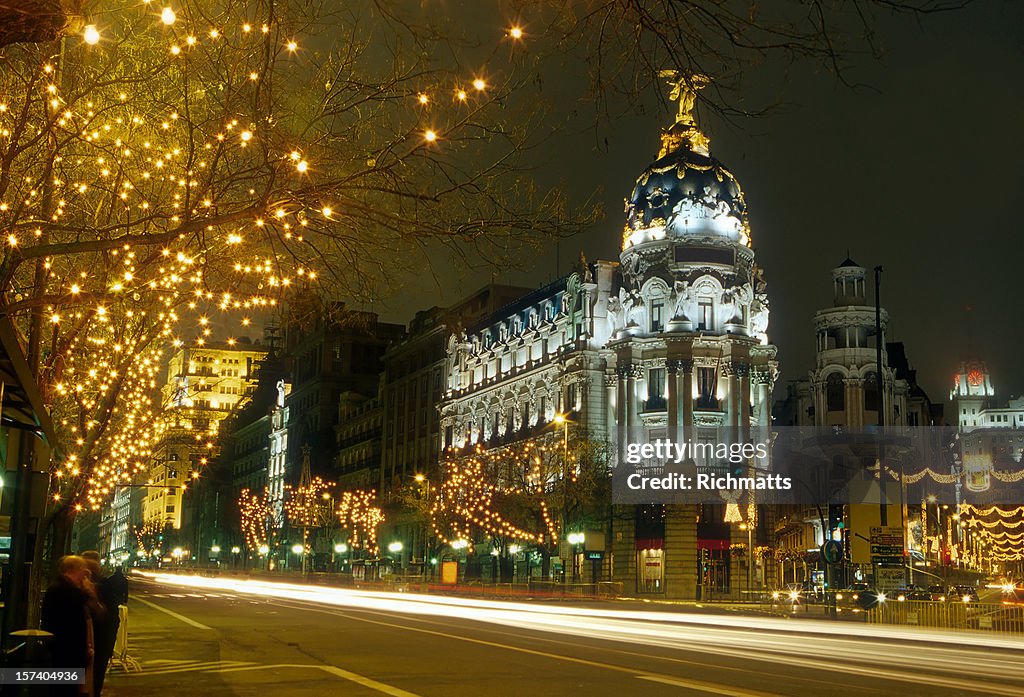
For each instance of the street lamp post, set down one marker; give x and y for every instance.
(563, 421)
(425, 481)
(750, 555)
(396, 548)
(339, 550)
(575, 539)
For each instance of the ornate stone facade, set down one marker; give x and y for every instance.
(671, 342)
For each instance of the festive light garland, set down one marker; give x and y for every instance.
(480, 492)
(256, 514)
(997, 510)
(358, 512)
(160, 170)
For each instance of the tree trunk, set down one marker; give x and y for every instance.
(52, 542)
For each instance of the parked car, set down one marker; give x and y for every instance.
(940, 592)
(968, 594)
(919, 594)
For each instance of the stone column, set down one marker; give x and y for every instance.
(621, 410)
(733, 398)
(672, 370)
(765, 413)
(624, 548)
(687, 416)
(610, 415)
(633, 410)
(855, 407)
(681, 551)
(743, 383)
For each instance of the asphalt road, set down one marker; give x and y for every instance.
(259, 640)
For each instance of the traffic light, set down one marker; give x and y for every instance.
(835, 516)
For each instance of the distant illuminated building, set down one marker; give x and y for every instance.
(205, 384)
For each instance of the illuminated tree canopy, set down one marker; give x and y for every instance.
(174, 168)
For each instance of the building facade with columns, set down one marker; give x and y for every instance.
(670, 342)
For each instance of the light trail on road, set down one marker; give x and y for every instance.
(914, 655)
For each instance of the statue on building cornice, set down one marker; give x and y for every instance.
(584, 269)
(615, 316)
(682, 296)
(635, 310)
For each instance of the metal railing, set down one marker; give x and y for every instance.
(986, 617)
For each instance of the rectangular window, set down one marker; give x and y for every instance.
(705, 315)
(657, 310)
(706, 388)
(656, 384)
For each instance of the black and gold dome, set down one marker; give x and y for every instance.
(686, 191)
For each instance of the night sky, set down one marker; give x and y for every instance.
(919, 171)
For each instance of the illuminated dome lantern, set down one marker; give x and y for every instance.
(685, 192)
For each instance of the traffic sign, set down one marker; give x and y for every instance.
(832, 552)
(887, 549)
(887, 561)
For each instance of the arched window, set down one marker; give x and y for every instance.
(872, 392)
(835, 392)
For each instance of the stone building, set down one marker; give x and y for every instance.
(671, 341)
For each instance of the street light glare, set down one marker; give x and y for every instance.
(167, 16)
(560, 418)
(298, 549)
(91, 35)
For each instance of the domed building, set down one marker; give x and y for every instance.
(669, 343)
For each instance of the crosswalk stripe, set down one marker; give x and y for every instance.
(197, 667)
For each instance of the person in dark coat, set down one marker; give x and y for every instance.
(106, 619)
(66, 614)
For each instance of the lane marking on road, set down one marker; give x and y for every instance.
(333, 670)
(708, 687)
(698, 685)
(187, 620)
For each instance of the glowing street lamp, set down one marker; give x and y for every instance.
(91, 35)
(395, 547)
(298, 549)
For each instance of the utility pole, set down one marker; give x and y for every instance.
(883, 508)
